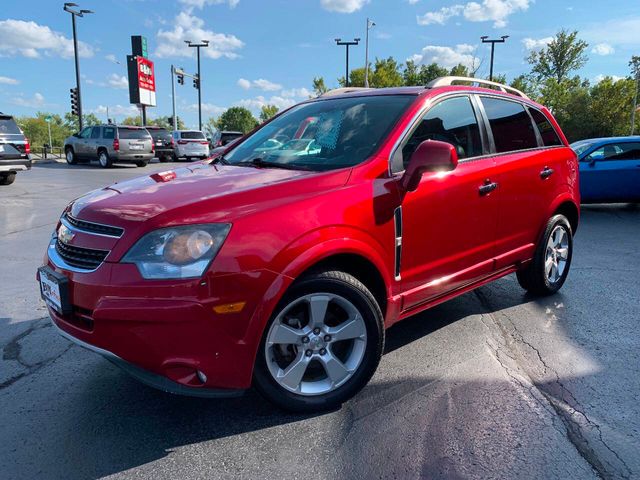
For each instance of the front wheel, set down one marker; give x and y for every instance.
(549, 268)
(70, 156)
(322, 345)
(7, 178)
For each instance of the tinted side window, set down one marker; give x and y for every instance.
(85, 132)
(95, 132)
(511, 126)
(547, 132)
(9, 126)
(616, 151)
(452, 121)
(109, 133)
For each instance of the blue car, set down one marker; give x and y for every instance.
(609, 169)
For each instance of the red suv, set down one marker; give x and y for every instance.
(281, 267)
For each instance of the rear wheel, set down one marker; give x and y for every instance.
(7, 178)
(322, 345)
(103, 159)
(164, 158)
(70, 156)
(549, 268)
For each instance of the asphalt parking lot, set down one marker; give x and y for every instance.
(494, 384)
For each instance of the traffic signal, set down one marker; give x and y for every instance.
(180, 78)
(74, 101)
(196, 82)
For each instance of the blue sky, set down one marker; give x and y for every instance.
(268, 51)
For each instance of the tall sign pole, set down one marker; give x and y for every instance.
(366, 53)
(173, 98)
(347, 44)
(197, 83)
(485, 39)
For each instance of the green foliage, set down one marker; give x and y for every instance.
(413, 75)
(267, 112)
(318, 86)
(210, 127)
(237, 118)
(384, 73)
(564, 54)
(134, 121)
(88, 119)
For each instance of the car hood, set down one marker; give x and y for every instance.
(195, 193)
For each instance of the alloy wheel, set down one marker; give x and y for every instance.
(316, 344)
(557, 254)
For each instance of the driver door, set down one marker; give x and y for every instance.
(82, 144)
(448, 223)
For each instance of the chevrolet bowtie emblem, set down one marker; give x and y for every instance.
(65, 235)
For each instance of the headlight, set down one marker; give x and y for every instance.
(177, 252)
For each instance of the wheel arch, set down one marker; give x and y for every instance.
(571, 211)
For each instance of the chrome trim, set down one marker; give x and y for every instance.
(63, 219)
(59, 262)
(150, 378)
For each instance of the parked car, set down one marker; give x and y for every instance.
(190, 144)
(14, 150)
(163, 143)
(227, 136)
(609, 169)
(110, 144)
(282, 271)
(218, 150)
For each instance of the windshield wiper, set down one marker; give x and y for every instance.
(220, 159)
(259, 162)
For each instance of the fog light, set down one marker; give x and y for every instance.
(201, 376)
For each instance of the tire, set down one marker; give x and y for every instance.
(142, 163)
(7, 178)
(164, 158)
(104, 160)
(70, 156)
(549, 268)
(351, 353)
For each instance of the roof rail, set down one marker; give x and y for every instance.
(446, 81)
(340, 91)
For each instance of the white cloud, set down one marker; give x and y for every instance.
(383, 36)
(496, 11)
(117, 81)
(600, 77)
(202, 3)
(208, 108)
(603, 49)
(189, 27)
(446, 56)
(111, 57)
(413, 2)
(618, 31)
(30, 39)
(244, 83)
(296, 93)
(36, 101)
(260, 83)
(440, 16)
(260, 101)
(343, 6)
(119, 110)
(8, 81)
(536, 44)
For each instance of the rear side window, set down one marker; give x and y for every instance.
(109, 133)
(133, 133)
(193, 135)
(510, 123)
(549, 136)
(9, 126)
(452, 121)
(95, 133)
(617, 151)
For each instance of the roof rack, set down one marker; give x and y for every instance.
(340, 91)
(447, 81)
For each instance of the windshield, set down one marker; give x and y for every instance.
(580, 147)
(132, 133)
(323, 135)
(159, 134)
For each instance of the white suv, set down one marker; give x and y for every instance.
(190, 144)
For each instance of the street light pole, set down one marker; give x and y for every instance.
(493, 42)
(173, 98)
(74, 14)
(347, 44)
(366, 53)
(205, 43)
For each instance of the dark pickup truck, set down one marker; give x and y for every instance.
(14, 150)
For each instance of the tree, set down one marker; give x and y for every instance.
(635, 72)
(525, 85)
(318, 86)
(267, 112)
(210, 127)
(385, 73)
(237, 118)
(88, 120)
(134, 121)
(460, 71)
(564, 54)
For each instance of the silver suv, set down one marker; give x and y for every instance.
(110, 144)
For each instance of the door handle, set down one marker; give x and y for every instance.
(546, 172)
(488, 187)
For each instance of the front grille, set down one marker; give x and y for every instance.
(86, 258)
(94, 227)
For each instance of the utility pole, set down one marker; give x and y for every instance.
(347, 44)
(198, 83)
(635, 69)
(173, 97)
(493, 42)
(74, 14)
(366, 53)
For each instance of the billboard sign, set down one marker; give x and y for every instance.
(142, 82)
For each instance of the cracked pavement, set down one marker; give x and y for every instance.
(494, 384)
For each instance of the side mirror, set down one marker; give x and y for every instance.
(430, 156)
